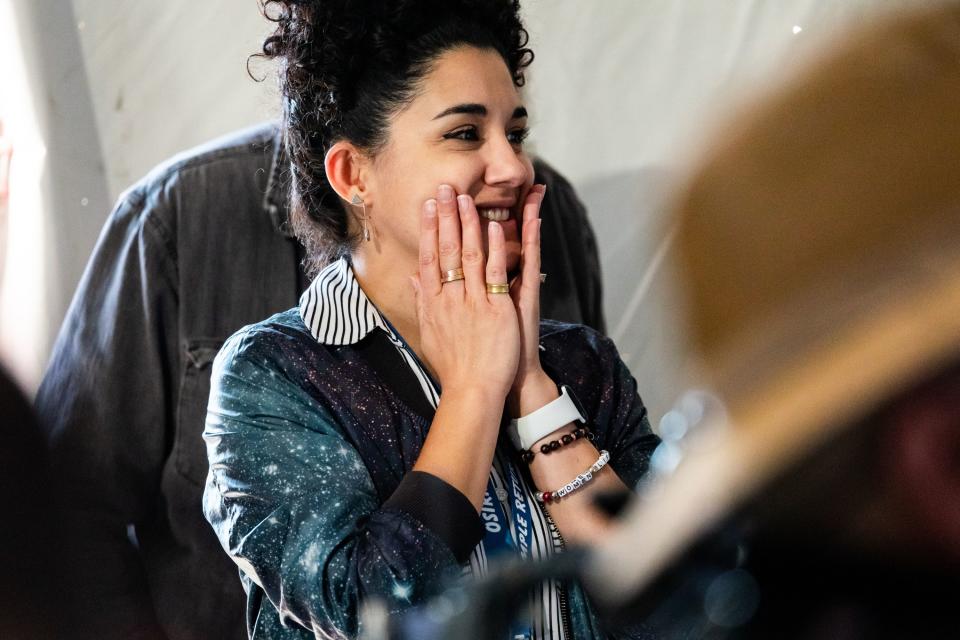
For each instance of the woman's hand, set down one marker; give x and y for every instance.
(531, 388)
(469, 337)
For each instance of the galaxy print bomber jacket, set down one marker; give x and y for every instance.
(310, 488)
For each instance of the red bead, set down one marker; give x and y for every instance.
(547, 495)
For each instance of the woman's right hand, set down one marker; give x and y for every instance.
(469, 338)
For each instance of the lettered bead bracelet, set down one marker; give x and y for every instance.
(582, 479)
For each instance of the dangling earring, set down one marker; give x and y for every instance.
(358, 200)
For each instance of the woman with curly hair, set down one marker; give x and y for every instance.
(413, 418)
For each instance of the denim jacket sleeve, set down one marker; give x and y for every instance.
(293, 504)
(104, 404)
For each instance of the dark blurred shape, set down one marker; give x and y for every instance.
(29, 568)
(860, 543)
(476, 609)
(613, 503)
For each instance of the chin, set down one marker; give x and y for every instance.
(513, 259)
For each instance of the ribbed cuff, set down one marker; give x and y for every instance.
(441, 508)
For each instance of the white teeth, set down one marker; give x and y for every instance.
(496, 214)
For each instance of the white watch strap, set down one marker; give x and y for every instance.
(544, 421)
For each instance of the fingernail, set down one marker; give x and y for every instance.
(431, 207)
(464, 201)
(445, 193)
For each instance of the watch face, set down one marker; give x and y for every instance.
(576, 401)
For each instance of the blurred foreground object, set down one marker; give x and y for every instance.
(30, 560)
(819, 249)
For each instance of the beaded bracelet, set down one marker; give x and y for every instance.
(553, 445)
(575, 484)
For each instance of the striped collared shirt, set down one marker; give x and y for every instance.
(337, 312)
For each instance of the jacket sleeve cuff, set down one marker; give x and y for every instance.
(441, 508)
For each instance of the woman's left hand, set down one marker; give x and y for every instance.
(532, 388)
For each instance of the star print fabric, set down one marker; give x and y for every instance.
(293, 502)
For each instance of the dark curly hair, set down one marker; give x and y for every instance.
(346, 66)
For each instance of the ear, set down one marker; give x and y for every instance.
(343, 164)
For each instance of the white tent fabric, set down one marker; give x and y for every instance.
(620, 93)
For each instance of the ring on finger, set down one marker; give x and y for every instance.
(543, 278)
(452, 275)
(498, 287)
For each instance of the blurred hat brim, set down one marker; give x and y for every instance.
(820, 242)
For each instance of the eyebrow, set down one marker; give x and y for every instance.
(476, 109)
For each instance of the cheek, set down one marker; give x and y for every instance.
(400, 197)
(465, 174)
(420, 180)
(528, 163)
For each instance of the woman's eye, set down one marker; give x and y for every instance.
(471, 134)
(466, 133)
(517, 136)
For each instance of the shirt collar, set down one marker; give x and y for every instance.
(335, 308)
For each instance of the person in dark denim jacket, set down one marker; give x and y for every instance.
(195, 250)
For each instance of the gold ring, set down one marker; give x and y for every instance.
(452, 275)
(496, 287)
(543, 278)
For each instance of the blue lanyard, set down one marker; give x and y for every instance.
(498, 540)
(521, 517)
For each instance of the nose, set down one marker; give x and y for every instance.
(505, 165)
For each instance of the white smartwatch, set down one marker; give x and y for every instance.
(525, 431)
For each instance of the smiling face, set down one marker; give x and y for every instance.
(464, 128)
